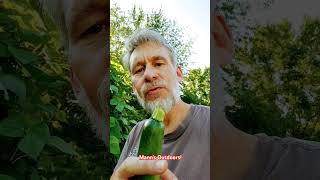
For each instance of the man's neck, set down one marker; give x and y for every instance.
(176, 116)
(233, 150)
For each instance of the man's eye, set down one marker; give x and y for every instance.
(158, 64)
(138, 70)
(93, 29)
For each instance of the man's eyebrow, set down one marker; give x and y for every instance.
(136, 63)
(158, 58)
(140, 62)
(84, 10)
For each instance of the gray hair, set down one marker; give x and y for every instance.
(55, 10)
(142, 36)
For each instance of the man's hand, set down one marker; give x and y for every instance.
(133, 166)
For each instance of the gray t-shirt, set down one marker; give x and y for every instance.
(285, 159)
(191, 140)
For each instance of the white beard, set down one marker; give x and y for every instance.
(166, 104)
(97, 120)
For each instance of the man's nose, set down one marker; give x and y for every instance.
(150, 74)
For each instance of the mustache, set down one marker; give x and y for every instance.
(148, 86)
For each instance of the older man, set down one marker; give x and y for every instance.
(155, 80)
(84, 27)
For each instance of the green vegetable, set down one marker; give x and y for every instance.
(151, 139)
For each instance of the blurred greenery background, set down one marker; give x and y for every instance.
(274, 82)
(44, 134)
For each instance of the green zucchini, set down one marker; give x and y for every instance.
(151, 139)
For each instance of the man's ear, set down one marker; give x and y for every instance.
(179, 73)
(223, 41)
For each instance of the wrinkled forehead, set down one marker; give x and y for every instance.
(151, 50)
(72, 7)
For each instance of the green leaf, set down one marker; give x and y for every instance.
(11, 127)
(114, 89)
(112, 122)
(32, 37)
(14, 84)
(114, 101)
(61, 145)
(34, 175)
(4, 51)
(114, 145)
(61, 116)
(33, 143)
(47, 108)
(125, 121)
(115, 131)
(133, 121)
(23, 56)
(120, 107)
(2, 88)
(5, 177)
(129, 107)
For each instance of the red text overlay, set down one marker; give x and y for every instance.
(159, 157)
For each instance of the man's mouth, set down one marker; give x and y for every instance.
(153, 91)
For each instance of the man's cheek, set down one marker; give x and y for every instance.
(90, 68)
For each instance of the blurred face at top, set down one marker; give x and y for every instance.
(87, 31)
(84, 27)
(154, 75)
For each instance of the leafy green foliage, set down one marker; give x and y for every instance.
(11, 128)
(275, 82)
(5, 177)
(196, 87)
(34, 140)
(38, 113)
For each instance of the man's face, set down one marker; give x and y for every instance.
(155, 80)
(86, 25)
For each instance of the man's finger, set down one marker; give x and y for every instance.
(168, 175)
(133, 166)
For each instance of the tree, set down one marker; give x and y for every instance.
(275, 81)
(196, 87)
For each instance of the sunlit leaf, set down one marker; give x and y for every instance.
(114, 145)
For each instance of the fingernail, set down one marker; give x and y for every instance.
(159, 165)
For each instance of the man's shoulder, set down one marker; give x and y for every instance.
(201, 111)
(201, 108)
(281, 157)
(290, 142)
